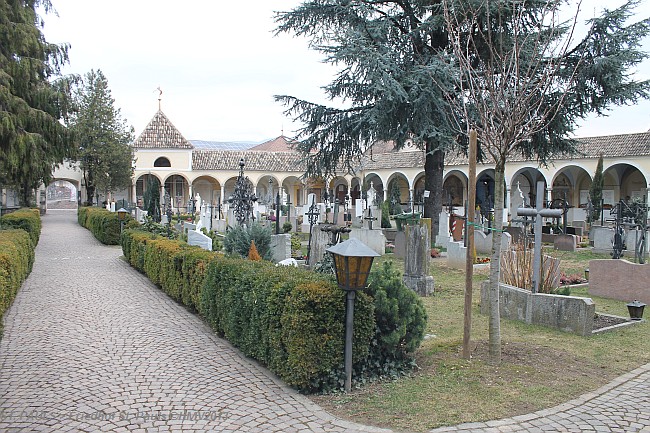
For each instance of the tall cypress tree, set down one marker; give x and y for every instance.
(33, 99)
(596, 190)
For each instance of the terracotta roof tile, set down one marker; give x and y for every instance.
(613, 146)
(279, 144)
(160, 133)
(254, 160)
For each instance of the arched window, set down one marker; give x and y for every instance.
(162, 162)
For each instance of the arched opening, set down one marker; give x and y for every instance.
(62, 194)
(162, 162)
(178, 189)
(623, 182)
(454, 189)
(141, 185)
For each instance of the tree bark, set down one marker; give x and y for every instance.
(434, 164)
(494, 329)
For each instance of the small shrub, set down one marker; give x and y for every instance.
(253, 254)
(238, 240)
(296, 245)
(517, 269)
(400, 319)
(286, 227)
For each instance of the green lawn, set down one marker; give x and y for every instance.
(541, 367)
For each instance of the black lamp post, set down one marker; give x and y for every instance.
(352, 263)
(121, 215)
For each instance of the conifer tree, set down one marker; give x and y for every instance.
(33, 99)
(596, 190)
(104, 151)
(386, 51)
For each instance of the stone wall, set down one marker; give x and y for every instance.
(566, 313)
(619, 279)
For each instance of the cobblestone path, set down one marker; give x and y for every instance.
(91, 345)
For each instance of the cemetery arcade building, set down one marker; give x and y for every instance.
(186, 169)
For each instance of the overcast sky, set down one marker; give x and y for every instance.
(219, 65)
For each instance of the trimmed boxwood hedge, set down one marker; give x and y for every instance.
(17, 245)
(27, 219)
(104, 224)
(291, 320)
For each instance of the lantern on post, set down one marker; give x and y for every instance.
(121, 215)
(352, 262)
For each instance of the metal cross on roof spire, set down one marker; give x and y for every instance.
(159, 97)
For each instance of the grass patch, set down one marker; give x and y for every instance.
(541, 367)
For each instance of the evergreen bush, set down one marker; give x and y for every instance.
(20, 234)
(238, 240)
(16, 260)
(400, 319)
(27, 219)
(385, 215)
(103, 224)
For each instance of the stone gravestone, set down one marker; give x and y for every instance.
(374, 239)
(443, 238)
(319, 243)
(603, 237)
(199, 239)
(517, 234)
(311, 199)
(372, 218)
(416, 263)
(189, 227)
(141, 215)
(206, 216)
(280, 247)
(400, 244)
(565, 242)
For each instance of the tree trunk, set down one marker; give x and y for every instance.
(495, 266)
(434, 164)
(26, 195)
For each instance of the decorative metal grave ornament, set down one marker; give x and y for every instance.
(243, 198)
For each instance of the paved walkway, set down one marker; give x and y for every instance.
(91, 345)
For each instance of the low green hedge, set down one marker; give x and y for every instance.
(290, 320)
(27, 219)
(104, 224)
(16, 260)
(20, 234)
